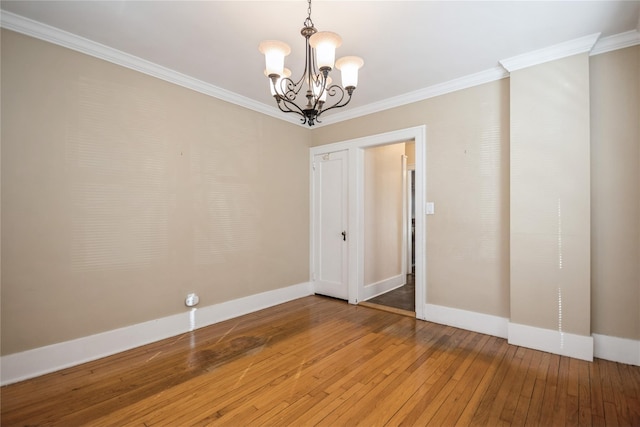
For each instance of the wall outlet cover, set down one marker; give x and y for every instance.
(192, 299)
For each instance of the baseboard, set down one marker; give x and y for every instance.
(469, 320)
(551, 341)
(616, 349)
(39, 361)
(606, 347)
(383, 286)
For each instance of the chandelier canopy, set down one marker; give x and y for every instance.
(319, 61)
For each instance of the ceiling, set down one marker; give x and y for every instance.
(407, 46)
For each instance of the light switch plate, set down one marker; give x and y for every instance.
(430, 208)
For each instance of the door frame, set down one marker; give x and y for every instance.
(409, 207)
(355, 208)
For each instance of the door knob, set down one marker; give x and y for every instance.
(344, 236)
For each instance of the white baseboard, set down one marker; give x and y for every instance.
(383, 286)
(469, 320)
(551, 341)
(616, 349)
(606, 347)
(32, 363)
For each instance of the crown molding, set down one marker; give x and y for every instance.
(616, 41)
(50, 34)
(465, 82)
(54, 35)
(551, 53)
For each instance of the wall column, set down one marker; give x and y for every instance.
(550, 291)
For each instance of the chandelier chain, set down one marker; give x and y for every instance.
(308, 23)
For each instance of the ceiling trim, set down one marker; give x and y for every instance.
(590, 43)
(551, 53)
(41, 31)
(616, 41)
(465, 82)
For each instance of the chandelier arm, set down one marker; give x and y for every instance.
(286, 101)
(310, 75)
(319, 80)
(289, 88)
(300, 81)
(332, 91)
(285, 106)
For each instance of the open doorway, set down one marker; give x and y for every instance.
(354, 233)
(393, 184)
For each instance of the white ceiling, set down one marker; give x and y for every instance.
(406, 45)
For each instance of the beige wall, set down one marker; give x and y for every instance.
(383, 212)
(410, 151)
(121, 193)
(615, 193)
(468, 179)
(550, 196)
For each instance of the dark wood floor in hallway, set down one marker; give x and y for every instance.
(318, 361)
(402, 298)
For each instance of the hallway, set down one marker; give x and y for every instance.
(402, 298)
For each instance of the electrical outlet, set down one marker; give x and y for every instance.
(192, 299)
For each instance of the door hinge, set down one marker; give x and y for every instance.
(313, 165)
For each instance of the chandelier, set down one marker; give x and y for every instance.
(319, 61)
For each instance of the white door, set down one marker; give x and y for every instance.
(330, 228)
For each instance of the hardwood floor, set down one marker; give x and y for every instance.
(403, 298)
(318, 361)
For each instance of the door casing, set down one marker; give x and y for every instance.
(355, 206)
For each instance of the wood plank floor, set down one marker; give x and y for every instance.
(318, 361)
(402, 297)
